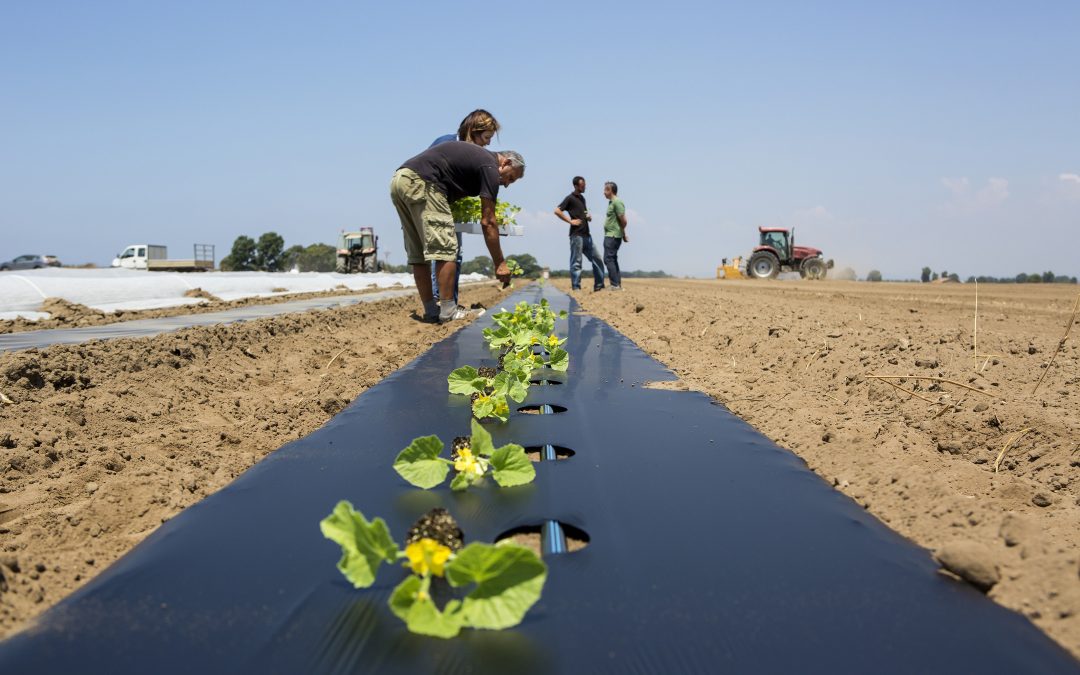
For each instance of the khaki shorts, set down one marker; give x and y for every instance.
(426, 221)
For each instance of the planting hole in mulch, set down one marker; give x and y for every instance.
(531, 537)
(539, 409)
(544, 383)
(536, 452)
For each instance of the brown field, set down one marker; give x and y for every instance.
(103, 442)
(793, 359)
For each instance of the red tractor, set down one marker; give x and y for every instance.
(778, 253)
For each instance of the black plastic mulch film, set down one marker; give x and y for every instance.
(711, 550)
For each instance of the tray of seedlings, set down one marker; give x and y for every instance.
(521, 499)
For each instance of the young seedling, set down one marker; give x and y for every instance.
(422, 465)
(488, 389)
(509, 578)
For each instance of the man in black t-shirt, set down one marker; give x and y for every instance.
(573, 211)
(422, 191)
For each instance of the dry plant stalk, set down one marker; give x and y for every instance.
(328, 363)
(975, 337)
(1009, 444)
(5, 400)
(933, 379)
(1061, 343)
(893, 384)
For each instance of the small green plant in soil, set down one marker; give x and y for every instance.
(506, 578)
(488, 389)
(423, 465)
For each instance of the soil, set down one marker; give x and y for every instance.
(65, 314)
(793, 358)
(531, 537)
(102, 442)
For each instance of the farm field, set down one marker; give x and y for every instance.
(104, 442)
(793, 359)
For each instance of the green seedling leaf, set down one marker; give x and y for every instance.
(411, 603)
(563, 314)
(481, 440)
(511, 384)
(420, 463)
(461, 481)
(483, 407)
(508, 578)
(560, 360)
(510, 466)
(364, 545)
(463, 381)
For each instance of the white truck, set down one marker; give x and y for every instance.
(156, 259)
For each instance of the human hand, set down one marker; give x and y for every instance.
(575, 221)
(626, 239)
(502, 273)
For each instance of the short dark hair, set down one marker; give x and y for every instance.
(614, 188)
(577, 179)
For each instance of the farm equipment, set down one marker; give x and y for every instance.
(777, 253)
(358, 251)
(731, 270)
(156, 259)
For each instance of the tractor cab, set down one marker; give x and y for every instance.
(364, 241)
(778, 240)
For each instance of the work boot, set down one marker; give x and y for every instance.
(458, 314)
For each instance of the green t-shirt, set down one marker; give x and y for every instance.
(612, 228)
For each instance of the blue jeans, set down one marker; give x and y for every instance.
(579, 245)
(457, 277)
(611, 260)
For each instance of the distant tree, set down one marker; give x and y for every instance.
(1034, 278)
(529, 267)
(944, 275)
(954, 277)
(873, 275)
(926, 271)
(313, 258)
(481, 264)
(1048, 277)
(240, 258)
(934, 276)
(970, 280)
(269, 252)
(291, 257)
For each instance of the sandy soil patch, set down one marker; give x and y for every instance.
(100, 443)
(793, 359)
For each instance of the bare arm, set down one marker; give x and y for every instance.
(565, 218)
(491, 238)
(622, 223)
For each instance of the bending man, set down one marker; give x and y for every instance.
(422, 190)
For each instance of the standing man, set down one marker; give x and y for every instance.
(614, 234)
(422, 190)
(573, 211)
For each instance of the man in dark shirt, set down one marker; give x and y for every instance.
(422, 190)
(573, 211)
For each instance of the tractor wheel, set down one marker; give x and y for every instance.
(763, 265)
(342, 266)
(813, 268)
(370, 264)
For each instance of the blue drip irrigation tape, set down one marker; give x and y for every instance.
(553, 539)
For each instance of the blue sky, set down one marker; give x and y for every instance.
(892, 135)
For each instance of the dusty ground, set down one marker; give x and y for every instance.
(101, 443)
(793, 358)
(64, 314)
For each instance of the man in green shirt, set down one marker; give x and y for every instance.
(614, 234)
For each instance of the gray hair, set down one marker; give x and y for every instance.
(516, 160)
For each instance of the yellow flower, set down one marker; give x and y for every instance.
(427, 556)
(553, 341)
(467, 462)
(502, 408)
(535, 340)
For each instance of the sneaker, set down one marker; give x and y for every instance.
(597, 289)
(616, 288)
(461, 313)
